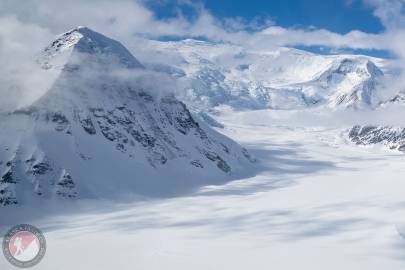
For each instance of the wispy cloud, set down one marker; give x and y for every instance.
(123, 19)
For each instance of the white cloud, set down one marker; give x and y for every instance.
(19, 43)
(122, 19)
(390, 12)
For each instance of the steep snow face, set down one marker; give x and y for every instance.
(100, 131)
(392, 137)
(223, 74)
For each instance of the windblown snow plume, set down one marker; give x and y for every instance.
(22, 80)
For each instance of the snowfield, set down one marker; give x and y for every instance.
(318, 201)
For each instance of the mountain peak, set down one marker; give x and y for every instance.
(112, 133)
(84, 40)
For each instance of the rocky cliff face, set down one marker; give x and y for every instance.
(392, 137)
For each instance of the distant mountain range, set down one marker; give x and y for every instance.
(222, 74)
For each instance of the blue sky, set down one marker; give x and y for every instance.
(335, 15)
(339, 16)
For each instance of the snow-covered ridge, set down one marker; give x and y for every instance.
(97, 133)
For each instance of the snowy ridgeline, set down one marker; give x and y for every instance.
(102, 131)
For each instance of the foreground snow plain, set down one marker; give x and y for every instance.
(317, 202)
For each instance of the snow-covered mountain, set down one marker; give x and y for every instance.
(103, 130)
(286, 78)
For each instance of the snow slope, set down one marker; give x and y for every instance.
(107, 127)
